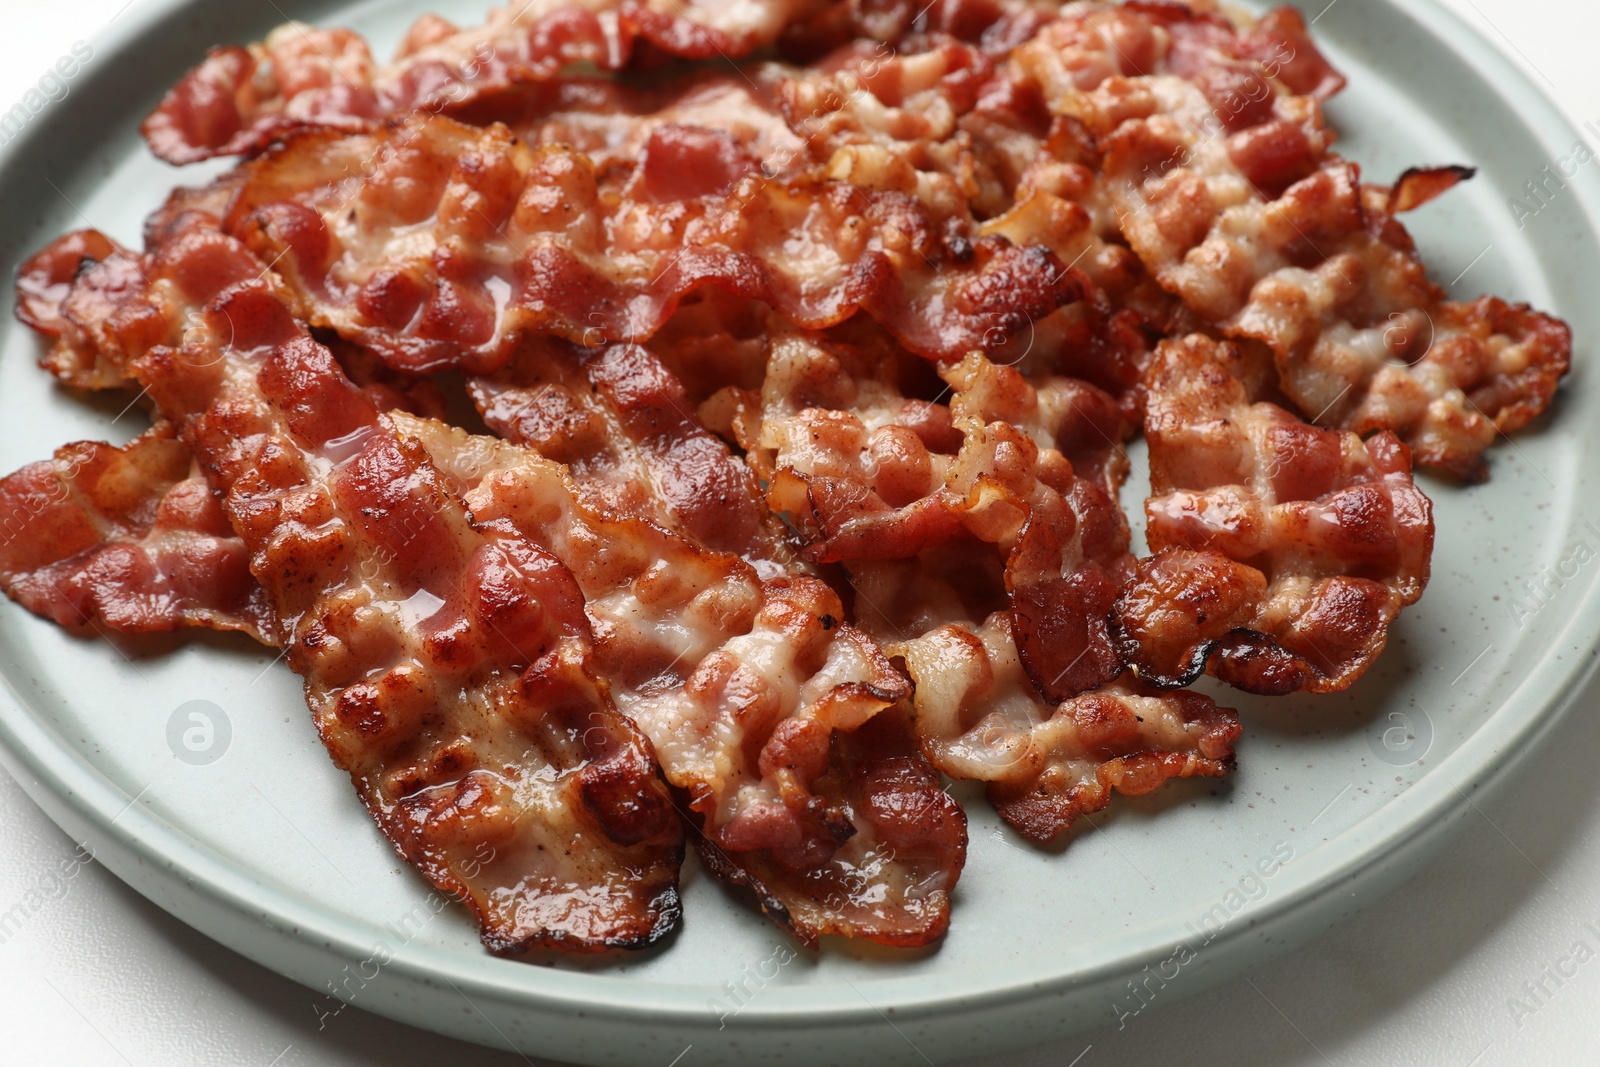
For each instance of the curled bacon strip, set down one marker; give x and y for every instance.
(980, 718)
(760, 701)
(240, 99)
(1282, 551)
(976, 551)
(622, 421)
(436, 244)
(130, 537)
(1224, 186)
(448, 668)
(863, 485)
(87, 293)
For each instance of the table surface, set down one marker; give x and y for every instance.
(1485, 958)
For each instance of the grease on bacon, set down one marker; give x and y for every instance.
(761, 702)
(448, 668)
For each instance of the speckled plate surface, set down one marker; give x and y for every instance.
(192, 769)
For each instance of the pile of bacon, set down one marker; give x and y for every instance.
(804, 340)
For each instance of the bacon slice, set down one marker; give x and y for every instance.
(623, 422)
(85, 292)
(435, 244)
(1282, 551)
(875, 853)
(92, 297)
(973, 143)
(612, 122)
(448, 668)
(863, 485)
(713, 131)
(981, 718)
(127, 537)
(98, 302)
(1224, 186)
(761, 702)
(975, 550)
(240, 99)
(1364, 341)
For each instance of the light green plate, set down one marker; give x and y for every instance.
(266, 849)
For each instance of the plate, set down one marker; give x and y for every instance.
(191, 769)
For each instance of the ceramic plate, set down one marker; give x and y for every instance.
(191, 767)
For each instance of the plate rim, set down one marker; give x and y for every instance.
(78, 795)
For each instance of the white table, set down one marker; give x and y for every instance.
(1475, 961)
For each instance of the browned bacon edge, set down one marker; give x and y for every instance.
(238, 100)
(129, 537)
(753, 692)
(487, 751)
(1107, 724)
(1281, 551)
(592, 268)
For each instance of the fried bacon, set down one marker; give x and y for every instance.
(870, 854)
(612, 122)
(436, 244)
(1282, 551)
(760, 700)
(128, 537)
(862, 843)
(965, 519)
(981, 718)
(85, 292)
(973, 144)
(862, 483)
(448, 667)
(501, 636)
(242, 98)
(622, 421)
(1224, 186)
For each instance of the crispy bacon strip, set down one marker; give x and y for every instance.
(1223, 184)
(435, 244)
(612, 122)
(863, 485)
(877, 851)
(92, 297)
(966, 519)
(448, 667)
(1282, 551)
(980, 718)
(129, 537)
(972, 141)
(866, 852)
(97, 302)
(761, 702)
(1364, 341)
(240, 99)
(623, 422)
(851, 128)
(85, 292)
